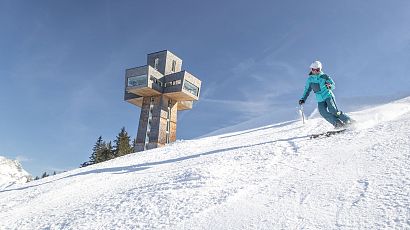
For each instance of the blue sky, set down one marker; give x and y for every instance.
(62, 64)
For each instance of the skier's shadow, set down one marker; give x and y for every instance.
(144, 166)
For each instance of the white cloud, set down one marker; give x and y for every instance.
(257, 84)
(249, 108)
(22, 158)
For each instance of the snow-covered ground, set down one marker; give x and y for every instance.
(272, 177)
(11, 172)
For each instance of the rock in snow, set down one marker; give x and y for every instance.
(11, 172)
(272, 177)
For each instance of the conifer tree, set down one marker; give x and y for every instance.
(122, 144)
(105, 153)
(97, 147)
(44, 175)
(109, 151)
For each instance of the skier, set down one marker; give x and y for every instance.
(323, 87)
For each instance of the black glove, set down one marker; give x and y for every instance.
(301, 101)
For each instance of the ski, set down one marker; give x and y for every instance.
(327, 134)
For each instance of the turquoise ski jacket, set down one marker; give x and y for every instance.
(317, 83)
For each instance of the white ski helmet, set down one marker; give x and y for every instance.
(316, 65)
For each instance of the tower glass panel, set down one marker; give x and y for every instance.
(140, 80)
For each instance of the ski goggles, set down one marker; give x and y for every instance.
(317, 70)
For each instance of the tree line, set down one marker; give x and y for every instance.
(45, 174)
(104, 151)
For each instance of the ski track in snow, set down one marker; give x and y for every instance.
(271, 177)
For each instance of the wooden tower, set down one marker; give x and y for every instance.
(160, 89)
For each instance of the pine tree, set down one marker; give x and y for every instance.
(105, 153)
(109, 151)
(122, 144)
(37, 178)
(44, 175)
(97, 147)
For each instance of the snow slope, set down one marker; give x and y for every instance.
(11, 172)
(272, 177)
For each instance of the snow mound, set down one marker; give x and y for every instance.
(271, 177)
(388, 112)
(11, 172)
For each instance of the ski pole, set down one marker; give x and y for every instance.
(334, 102)
(302, 113)
(337, 110)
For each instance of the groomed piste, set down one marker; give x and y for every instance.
(271, 177)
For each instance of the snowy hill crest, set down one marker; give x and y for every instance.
(272, 177)
(11, 172)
